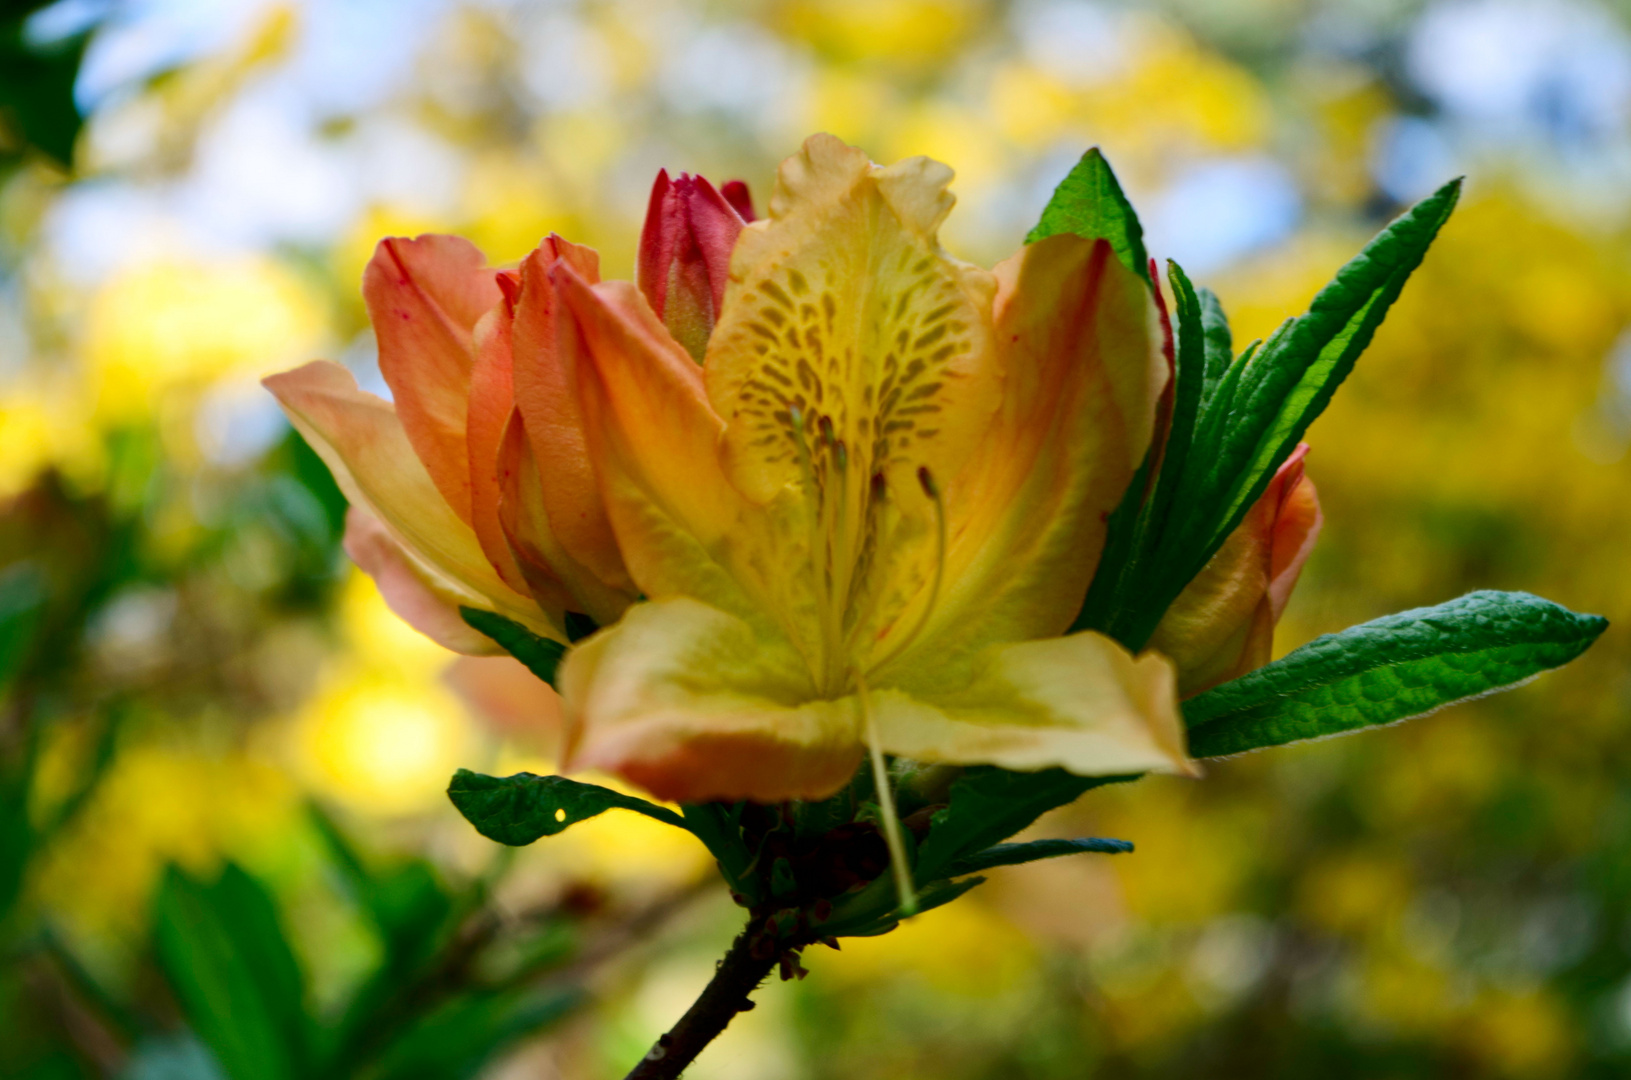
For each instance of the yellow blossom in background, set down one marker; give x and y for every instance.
(170, 327)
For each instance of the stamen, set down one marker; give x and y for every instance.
(925, 480)
(886, 803)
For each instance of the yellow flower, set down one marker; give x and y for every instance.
(867, 518)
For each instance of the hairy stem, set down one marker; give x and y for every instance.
(738, 975)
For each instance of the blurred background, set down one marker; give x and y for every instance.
(224, 847)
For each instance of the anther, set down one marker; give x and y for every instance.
(825, 424)
(925, 480)
(841, 454)
(880, 487)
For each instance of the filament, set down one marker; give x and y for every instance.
(932, 490)
(886, 803)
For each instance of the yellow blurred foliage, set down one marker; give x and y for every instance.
(910, 33)
(160, 804)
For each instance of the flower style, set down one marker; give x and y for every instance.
(1222, 624)
(448, 507)
(867, 519)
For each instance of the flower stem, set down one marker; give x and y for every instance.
(727, 993)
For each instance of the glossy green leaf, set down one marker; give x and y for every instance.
(541, 655)
(225, 957)
(1291, 379)
(988, 805)
(1250, 414)
(1089, 202)
(517, 810)
(1031, 851)
(1218, 342)
(1390, 669)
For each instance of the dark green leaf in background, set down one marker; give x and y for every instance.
(519, 809)
(1389, 669)
(37, 107)
(224, 955)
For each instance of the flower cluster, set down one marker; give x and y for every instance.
(809, 486)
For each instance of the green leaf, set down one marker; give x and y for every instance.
(719, 828)
(869, 919)
(1089, 202)
(988, 805)
(225, 956)
(541, 655)
(517, 810)
(1219, 343)
(1391, 669)
(1249, 418)
(1290, 381)
(1014, 854)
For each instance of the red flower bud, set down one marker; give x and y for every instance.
(685, 253)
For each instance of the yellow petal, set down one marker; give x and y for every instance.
(692, 704)
(361, 440)
(415, 593)
(424, 298)
(1080, 343)
(1080, 702)
(843, 308)
(851, 354)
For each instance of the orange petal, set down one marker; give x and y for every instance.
(654, 440)
(424, 298)
(361, 440)
(492, 400)
(553, 576)
(546, 393)
(414, 595)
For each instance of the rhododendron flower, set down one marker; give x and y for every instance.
(1222, 624)
(867, 519)
(448, 507)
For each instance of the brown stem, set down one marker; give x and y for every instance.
(738, 975)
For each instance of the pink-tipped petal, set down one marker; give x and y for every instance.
(409, 592)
